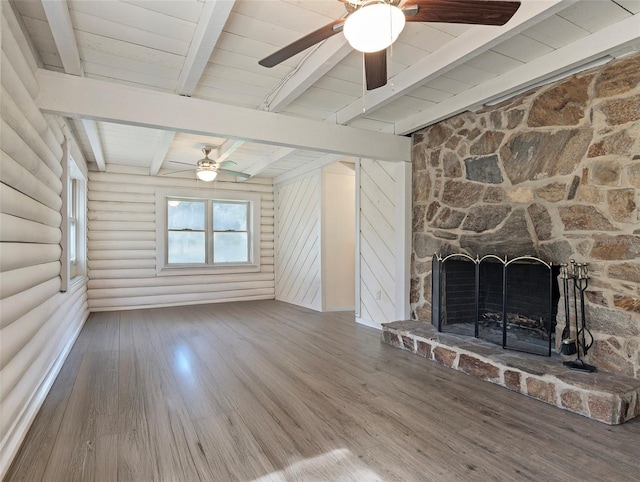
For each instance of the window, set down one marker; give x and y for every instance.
(220, 234)
(74, 222)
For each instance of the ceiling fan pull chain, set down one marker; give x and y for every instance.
(364, 82)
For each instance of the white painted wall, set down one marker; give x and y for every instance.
(383, 220)
(338, 237)
(38, 323)
(298, 249)
(122, 247)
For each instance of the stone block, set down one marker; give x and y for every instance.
(447, 219)
(622, 205)
(488, 143)
(453, 142)
(391, 338)
(596, 297)
(602, 408)
(434, 159)
(493, 194)
(572, 400)
(612, 322)
(633, 174)
(618, 77)
(556, 251)
(425, 245)
(437, 135)
(432, 210)
(545, 391)
(562, 105)
(534, 155)
(444, 356)
(611, 247)
(621, 111)
(512, 239)
(627, 303)
(426, 284)
(512, 380)
(421, 187)
(591, 195)
(460, 194)
(424, 349)
(541, 220)
(478, 368)
(573, 189)
(514, 118)
(419, 156)
(483, 169)
(610, 358)
(552, 192)
(418, 218)
(625, 271)
(408, 343)
(619, 143)
(605, 173)
(483, 218)
(496, 119)
(581, 217)
(414, 291)
(451, 165)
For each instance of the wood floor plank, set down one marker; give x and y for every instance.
(268, 391)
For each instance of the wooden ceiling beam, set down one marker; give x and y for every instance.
(110, 102)
(264, 164)
(59, 19)
(214, 15)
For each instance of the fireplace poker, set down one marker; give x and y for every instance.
(583, 282)
(568, 346)
(579, 277)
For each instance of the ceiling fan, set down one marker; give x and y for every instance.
(371, 26)
(207, 169)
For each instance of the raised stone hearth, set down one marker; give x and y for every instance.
(606, 397)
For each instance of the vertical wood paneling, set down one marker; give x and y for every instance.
(297, 252)
(122, 248)
(38, 323)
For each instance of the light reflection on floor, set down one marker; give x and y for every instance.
(339, 465)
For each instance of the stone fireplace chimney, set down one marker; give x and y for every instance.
(553, 173)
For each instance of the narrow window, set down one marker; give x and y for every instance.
(230, 232)
(186, 234)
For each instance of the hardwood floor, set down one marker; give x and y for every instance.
(269, 391)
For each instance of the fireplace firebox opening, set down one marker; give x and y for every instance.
(512, 303)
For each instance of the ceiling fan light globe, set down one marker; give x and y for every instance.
(374, 27)
(206, 175)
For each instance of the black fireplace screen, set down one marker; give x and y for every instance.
(509, 302)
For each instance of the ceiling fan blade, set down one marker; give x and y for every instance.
(303, 43)
(375, 69)
(176, 172)
(235, 173)
(479, 12)
(226, 163)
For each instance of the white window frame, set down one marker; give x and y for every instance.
(74, 209)
(163, 268)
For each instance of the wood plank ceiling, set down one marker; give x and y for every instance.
(209, 50)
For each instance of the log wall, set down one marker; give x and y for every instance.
(38, 323)
(122, 247)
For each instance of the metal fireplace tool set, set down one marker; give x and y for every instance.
(582, 341)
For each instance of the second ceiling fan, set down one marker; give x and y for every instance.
(371, 26)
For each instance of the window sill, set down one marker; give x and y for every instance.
(193, 270)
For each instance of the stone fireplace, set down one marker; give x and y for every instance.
(553, 173)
